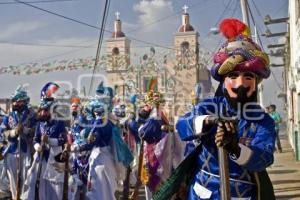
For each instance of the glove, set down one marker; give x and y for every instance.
(74, 148)
(37, 147)
(44, 138)
(226, 137)
(91, 138)
(19, 130)
(1, 157)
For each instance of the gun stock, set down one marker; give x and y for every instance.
(66, 176)
(81, 191)
(38, 179)
(126, 184)
(224, 174)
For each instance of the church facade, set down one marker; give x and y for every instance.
(177, 77)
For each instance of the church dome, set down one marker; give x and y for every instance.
(118, 34)
(118, 29)
(186, 28)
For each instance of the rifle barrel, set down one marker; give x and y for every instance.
(18, 186)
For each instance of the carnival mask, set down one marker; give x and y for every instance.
(19, 106)
(240, 88)
(44, 115)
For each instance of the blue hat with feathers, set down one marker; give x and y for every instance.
(46, 95)
(98, 107)
(20, 94)
(103, 91)
(105, 95)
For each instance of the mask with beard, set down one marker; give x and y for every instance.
(144, 114)
(19, 109)
(241, 99)
(19, 106)
(74, 114)
(44, 115)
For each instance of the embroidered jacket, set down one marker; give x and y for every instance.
(57, 135)
(256, 136)
(10, 123)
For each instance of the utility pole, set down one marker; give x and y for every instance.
(244, 7)
(245, 14)
(260, 86)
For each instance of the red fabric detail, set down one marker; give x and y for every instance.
(232, 27)
(220, 57)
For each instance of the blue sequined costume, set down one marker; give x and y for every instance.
(255, 132)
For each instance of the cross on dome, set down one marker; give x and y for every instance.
(117, 14)
(185, 8)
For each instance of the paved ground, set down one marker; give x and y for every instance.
(285, 173)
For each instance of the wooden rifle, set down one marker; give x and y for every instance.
(223, 163)
(81, 190)
(19, 170)
(65, 155)
(39, 172)
(38, 179)
(126, 186)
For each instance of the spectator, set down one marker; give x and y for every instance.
(277, 119)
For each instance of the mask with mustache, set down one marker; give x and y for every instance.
(74, 114)
(43, 116)
(241, 99)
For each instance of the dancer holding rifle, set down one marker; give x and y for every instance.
(17, 129)
(48, 166)
(231, 122)
(157, 144)
(107, 148)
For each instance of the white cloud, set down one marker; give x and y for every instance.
(19, 28)
(154, 21)
(152, 10)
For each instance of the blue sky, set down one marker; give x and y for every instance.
(153, 21)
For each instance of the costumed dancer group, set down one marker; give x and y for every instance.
(113, 145)
(93, 158)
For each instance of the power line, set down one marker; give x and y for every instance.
(45, 1)
(43, 45)
(262, 18)
(257, 27)
(68, 46)
(163, 18)
(218, 21)
(103, 23)
(98, 28)
(56, 14)
(260, 42)
(86, 24)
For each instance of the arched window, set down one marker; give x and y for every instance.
(184, 47)
(115, 51)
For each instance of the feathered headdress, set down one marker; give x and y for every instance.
(152, 95)
(239, 52)
(20, 94)
(47, 92)
(75, 103)
(105, 95)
